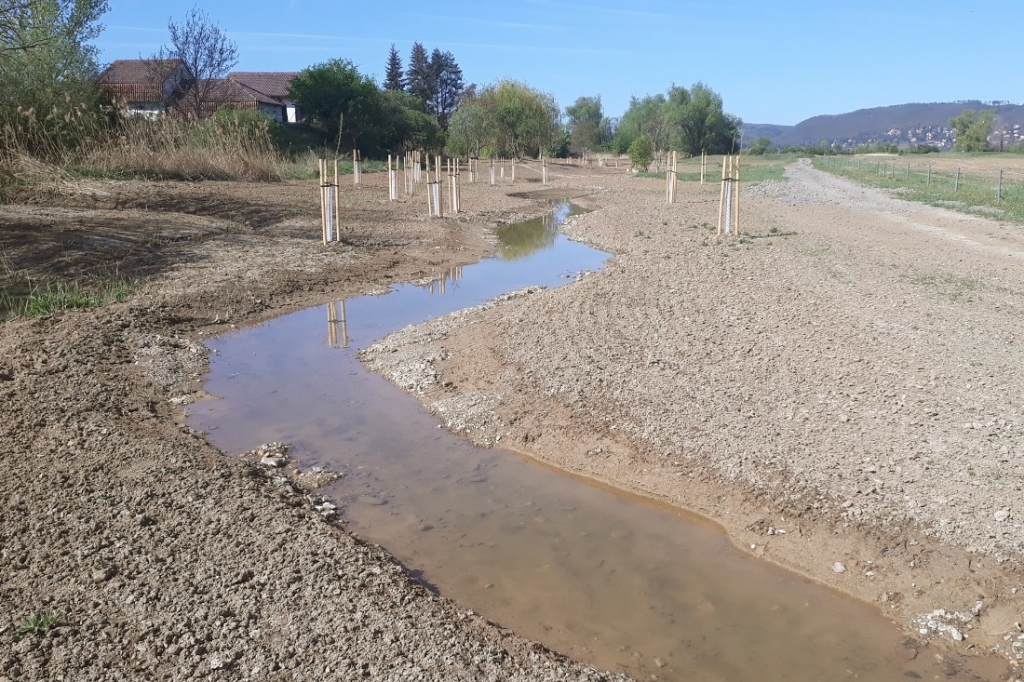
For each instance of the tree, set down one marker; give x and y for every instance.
(523, 120)
(760, 146)
(469, 130)
(445, 86)
(341, 102)
(48, 70)
(641, 153)
(698, 121)
(207, 53)
(394, 76)
(405, 126)
(27, 25)
(644, 117)
(588, 128)
(418, 77)
(972, 129)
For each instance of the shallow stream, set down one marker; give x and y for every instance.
(605, 578)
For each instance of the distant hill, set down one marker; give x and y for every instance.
(902, 124)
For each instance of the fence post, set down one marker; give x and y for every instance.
(956, 182)
(999, 189)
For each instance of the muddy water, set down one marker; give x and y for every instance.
(602, 577)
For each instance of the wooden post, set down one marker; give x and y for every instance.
(736, 198)
(323, 198)
(956, 182)
(721, 200)
(929, 174)
(999, 188)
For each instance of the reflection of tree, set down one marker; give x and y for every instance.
(523, 239)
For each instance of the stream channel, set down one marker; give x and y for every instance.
(605, 578)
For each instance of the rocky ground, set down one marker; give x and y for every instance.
(839, 388)
(132, 549)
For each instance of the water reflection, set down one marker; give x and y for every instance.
(337, 320)
(523, 239)
(440, 284)
(619, 584)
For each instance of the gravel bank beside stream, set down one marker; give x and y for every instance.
(841, 385)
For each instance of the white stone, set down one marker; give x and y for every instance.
(838, 567)
(956, 634)
(1001, 515)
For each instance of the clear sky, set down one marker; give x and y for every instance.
(773, 61)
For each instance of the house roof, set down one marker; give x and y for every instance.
(225, 91)
(270, 83)
(138, 71)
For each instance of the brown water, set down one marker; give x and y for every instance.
(605, 578)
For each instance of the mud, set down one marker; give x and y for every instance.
(130, 548)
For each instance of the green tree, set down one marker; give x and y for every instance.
(394, 75)
(641, 153)
(418, 78)
(446, 86)
(340, 101)
(588, 128)
(760, 146)
(523, 119)
(645, 117)
(972, 129)
(48, 69)
(405, 125)
(469, 130)
(698, 121)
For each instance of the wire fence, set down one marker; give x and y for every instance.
(998, 192)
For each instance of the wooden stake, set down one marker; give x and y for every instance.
(721, 200)
(736, 199)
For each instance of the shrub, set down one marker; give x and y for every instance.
(641, 153)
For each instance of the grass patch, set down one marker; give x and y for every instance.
(39, 623)
(976, 194)
(757, 171)
(56, 297)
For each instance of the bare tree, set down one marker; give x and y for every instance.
(206, 52)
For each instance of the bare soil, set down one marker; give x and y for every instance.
(132, 549)
(839, 389)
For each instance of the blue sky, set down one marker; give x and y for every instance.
(772, 61)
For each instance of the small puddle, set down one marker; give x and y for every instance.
(604, 578)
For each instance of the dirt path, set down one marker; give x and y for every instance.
(132, 549)
(841, 385)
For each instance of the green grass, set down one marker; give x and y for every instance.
(39, 623)
(750, 172)
(976, 193)
(57, 297)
